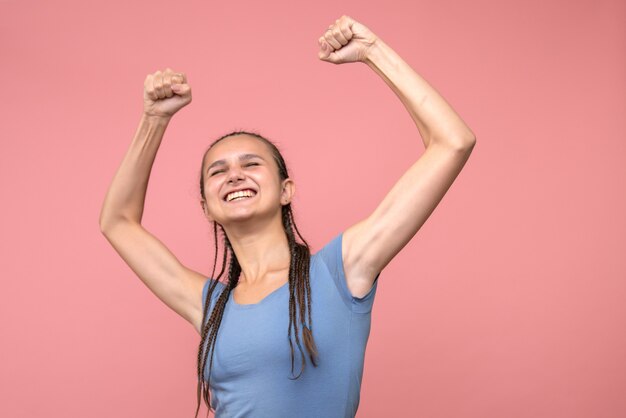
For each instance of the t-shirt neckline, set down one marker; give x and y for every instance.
(270, 296)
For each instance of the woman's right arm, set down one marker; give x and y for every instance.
(120, 218)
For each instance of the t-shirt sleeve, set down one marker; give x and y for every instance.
(331, 255)
(214, 296)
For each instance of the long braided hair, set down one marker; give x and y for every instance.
(299, 285)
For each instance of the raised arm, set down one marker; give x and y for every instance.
(369, 245)
(120, 218)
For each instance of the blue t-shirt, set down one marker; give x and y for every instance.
(252, 358)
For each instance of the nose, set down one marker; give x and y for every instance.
(235, 174)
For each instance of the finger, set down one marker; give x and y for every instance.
(167, 82)
(178, 78)
(325, 49)
(149, 87)
(158, 84)
(182, 89)
(178, 88)
(327, 54)
(338, 34)
(328, 35)
(347, 20)
(344, 28)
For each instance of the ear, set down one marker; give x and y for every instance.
(288, 191)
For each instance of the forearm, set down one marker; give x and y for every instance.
(434, 117)
(127, 192)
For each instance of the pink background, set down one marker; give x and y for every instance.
(509, 302)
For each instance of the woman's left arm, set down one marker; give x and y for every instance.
(369, 245)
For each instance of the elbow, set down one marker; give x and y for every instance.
(461, 142)
(101, 223)
(110, 223)
(103, 227)
(106, 223)
(463, 145)
(466, 144)
(469, 145)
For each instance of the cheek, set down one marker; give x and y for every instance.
(211, 191)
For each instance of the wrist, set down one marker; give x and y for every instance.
(156, 119)
(373, 53)
(377, 54)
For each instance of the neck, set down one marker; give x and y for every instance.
(262, 251)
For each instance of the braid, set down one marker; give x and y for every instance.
(233, 279)
(205, 326)
(299, 288)
(307, 282)
(210, 327)
(293, 285)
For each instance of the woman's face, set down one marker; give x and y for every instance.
(243, 162)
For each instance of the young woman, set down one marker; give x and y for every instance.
(275, 288)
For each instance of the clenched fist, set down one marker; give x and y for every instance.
(346, 41)
(165, 93)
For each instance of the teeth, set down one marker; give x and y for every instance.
(241, 194)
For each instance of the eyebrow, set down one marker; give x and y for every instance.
(242, 157)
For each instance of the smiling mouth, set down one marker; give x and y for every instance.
(241, 198)
(237, 199)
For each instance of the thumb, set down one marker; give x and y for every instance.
(180, 89)
(324, 51)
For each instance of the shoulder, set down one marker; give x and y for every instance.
(208, 285)
(335, 255)
(360, 277)
(211, 284)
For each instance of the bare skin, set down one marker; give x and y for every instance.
(254, 225)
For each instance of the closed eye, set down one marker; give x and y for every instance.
(219, 171)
